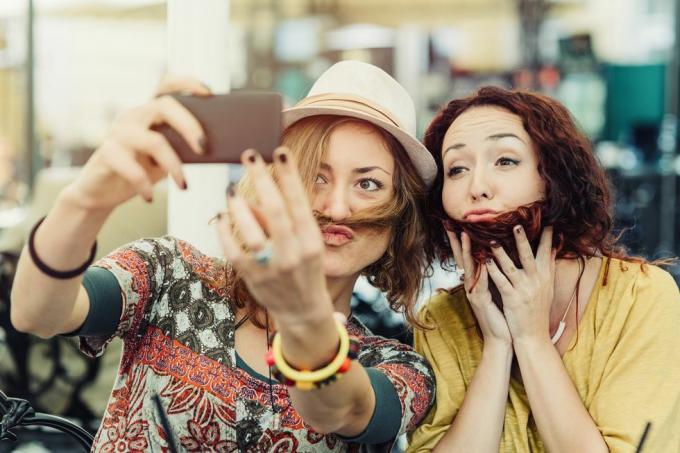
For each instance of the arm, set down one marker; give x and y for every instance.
(344, 407)
(292, 287)
(47, 306)
(479, 422)
(129, 162)
(553, 399)
(527, 297)
(478, 425)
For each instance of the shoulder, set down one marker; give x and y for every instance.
(640, 291)
(448, 308)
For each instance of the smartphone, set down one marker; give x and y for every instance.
(232, 123)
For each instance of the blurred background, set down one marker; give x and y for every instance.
(68, 67)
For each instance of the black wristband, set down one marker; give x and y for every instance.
(62, 275)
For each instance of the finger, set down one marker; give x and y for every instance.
(526, 255)
(181, 84)
(501, 281)
(295, 194)
(456, 249)
(246, 224)
(231, 247)
(123, 162)
(468, 263)
(505, 263)
(169, 110)
(271, 201)
(545, 248)
(157, 147)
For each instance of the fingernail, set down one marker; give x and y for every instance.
(202, 143)
(148, 198)
(231, 190)
(283, 158)
(185, 186)
(253, 157)
(205, 85)
(489, 261)
(495, 243)
(218, 216)
(518, 229)
(448, 225)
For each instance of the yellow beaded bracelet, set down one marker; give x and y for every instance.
(310, 377)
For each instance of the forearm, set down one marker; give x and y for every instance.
(479, 423)
(41, 304)
(553, 399)
(345, 406)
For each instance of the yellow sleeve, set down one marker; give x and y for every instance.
(450, 389)
(640, 379)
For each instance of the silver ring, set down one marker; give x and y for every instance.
(264, 255)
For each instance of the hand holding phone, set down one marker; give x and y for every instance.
(232, 123)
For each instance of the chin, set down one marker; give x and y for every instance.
(338, 264)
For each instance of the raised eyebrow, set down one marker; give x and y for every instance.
(490, 137)
(453, 148)
(504, 135)
(360, 170)
(363, 170)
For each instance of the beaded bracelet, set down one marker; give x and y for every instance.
(310, 379)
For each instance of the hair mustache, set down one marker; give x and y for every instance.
(365, 220)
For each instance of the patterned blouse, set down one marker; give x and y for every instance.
(177, 328)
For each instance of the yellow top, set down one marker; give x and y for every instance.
(624, 362)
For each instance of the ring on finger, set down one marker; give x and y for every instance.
(264, 255)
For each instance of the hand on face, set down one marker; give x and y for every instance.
(491, 321)
(527, 293)
(292, 284)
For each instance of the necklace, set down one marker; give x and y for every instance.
(560, 328)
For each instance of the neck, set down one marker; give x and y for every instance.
(567, 272)
(340, 290)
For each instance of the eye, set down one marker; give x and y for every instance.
(454, 171)
(370, 185)
(506, 161)
(320, 180)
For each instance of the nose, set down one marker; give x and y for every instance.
(480, 188)
(333, 203)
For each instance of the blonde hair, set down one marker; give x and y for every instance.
(400, 271)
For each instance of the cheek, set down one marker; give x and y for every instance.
(451, 200)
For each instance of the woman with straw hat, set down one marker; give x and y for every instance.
(258, 352)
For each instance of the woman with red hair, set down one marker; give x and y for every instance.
(557, 339)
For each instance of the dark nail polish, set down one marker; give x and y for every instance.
(494, 244)
(448, 225)
(489, 261)
(202, 142)
(231, 189)
(185, 186)
(283, 158)
(518, 229)
(252, 158)
(148, 198)
(218, 216)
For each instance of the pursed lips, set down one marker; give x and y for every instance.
(336, 235)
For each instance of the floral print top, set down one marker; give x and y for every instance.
(177, 328)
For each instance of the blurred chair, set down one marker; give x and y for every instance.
(52, 374)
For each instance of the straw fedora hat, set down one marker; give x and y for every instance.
(361, 90)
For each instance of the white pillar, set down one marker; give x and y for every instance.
(197, 46)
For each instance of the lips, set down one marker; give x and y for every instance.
(336, 235)
(480, 215)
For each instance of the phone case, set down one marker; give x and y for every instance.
(232, 123)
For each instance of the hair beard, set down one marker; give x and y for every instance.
(500, 229)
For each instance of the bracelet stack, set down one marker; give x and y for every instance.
(311, 379)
